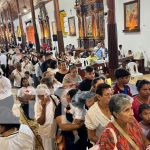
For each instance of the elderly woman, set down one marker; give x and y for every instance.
(124, 133)
(50, 74)
(143, 97)
(44, 115)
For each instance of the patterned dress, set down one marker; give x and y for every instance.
(134, 131)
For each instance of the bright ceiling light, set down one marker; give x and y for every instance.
(25, 9)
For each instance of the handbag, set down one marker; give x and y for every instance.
(96, 147)
(132, 143)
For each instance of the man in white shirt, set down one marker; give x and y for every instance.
(26, 65)
(38, 68)
(16, 75)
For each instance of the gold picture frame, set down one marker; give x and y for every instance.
(72, 26)
(132, 16)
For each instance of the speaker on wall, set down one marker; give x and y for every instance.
(54, 37)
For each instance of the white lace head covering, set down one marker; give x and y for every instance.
(42, 89)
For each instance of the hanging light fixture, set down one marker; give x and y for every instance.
(24, 8)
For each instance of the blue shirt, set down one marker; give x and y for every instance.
(99, 53)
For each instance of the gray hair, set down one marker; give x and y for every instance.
(118, 102)
(47, 81)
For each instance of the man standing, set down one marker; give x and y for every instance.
(98, 51)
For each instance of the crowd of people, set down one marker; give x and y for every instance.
(72, 112)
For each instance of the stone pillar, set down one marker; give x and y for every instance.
(58, 26)
(37, 42)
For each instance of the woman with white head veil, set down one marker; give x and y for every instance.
(44, 115)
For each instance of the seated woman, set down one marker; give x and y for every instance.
(14, 136)
(124, 133)
(143, 88)
(72, 79)
(62, 71)
(144, 114)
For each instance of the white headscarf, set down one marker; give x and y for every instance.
(42, 89)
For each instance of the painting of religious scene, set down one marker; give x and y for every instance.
(72, 27)
(89, 31)
(132, 16)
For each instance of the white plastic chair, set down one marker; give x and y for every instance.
(133, 69)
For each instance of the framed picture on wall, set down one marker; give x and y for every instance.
(54, 28)
(89, 31)
(101, 24)
(72, 26)
(132, 16)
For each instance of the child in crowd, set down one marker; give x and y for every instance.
(122, 77)
(28, 77)
(26, 95)
(144, 114)
(77, 111)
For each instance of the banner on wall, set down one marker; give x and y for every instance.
(18, 31)
(30, 33)
(63, 21)
(46, 30)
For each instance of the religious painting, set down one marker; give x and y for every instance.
(30, 33)
(72, 26)
(89, 31)
(54, 28)
(101, 24)
(132, 16)
(63, 20)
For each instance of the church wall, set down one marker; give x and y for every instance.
(136, 41)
